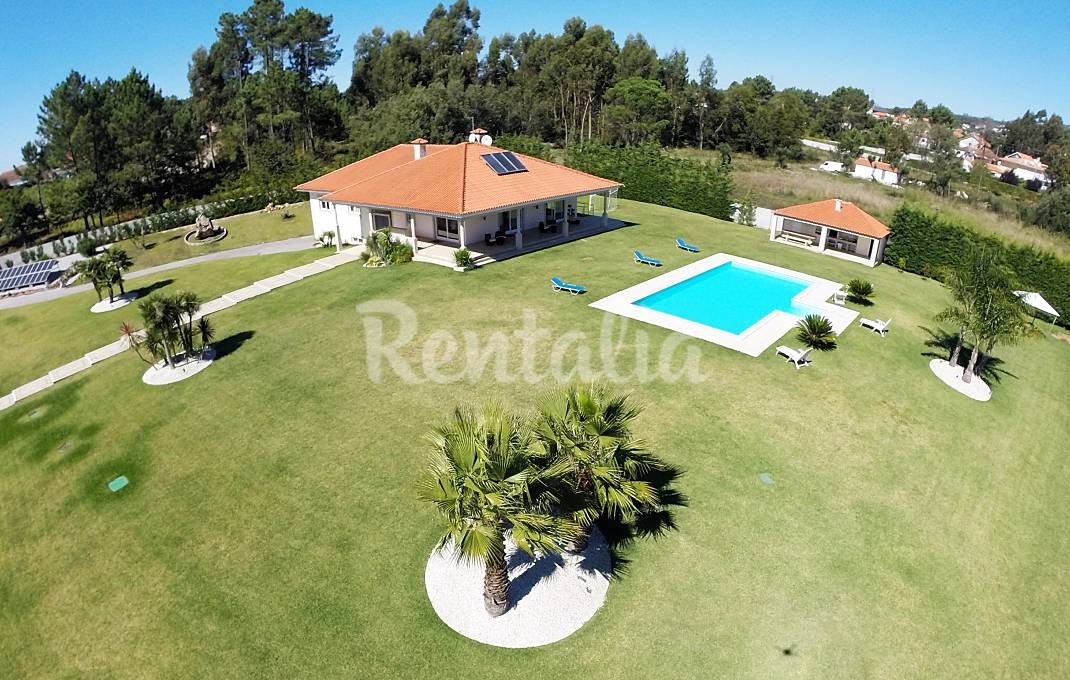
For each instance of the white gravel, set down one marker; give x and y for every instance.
(162, 374)
(118, 302)
(952, 376)
(551, 597)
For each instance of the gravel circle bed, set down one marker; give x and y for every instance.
(162, 374)
(551, 596)
(952, 376)
(119, 302)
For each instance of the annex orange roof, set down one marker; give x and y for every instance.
(880, 165)
(365, 168)
(455, 180)
(848, 218)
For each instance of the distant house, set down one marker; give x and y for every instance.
(443, 197)
(833, 227)
(1026, 168)
(878, 171)
(13, 178)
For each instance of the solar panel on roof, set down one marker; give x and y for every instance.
(504, 162)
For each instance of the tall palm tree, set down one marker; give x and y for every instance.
(482, 480)
(116, 262)
(91, 270)
(588, 430)
(185, 304)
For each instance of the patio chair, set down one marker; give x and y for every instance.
(875, 325)
(560, 285)
(797, 357)
(489, 239)
(684, 245)
(839, 297)
(643, 259)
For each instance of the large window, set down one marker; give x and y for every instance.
(510, 220)
(446, 228)
(555, 211)
(380, 220)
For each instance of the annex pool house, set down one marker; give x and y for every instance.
(730, 301)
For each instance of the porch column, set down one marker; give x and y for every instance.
(337, 229)
(460, 233)
(605, 210)
(519, 236)
(371, 223)
(412, 232)
(773, 223)
(824, 237)
(874, 250)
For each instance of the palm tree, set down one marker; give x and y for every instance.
(816, 331)
(482, 480)
(859, 291)
(134, 339)
(205, 330)
(587, 430)
(92, 271)
(1000, 320)
(116, 262)
(185, 305)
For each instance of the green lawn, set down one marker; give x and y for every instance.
(242, 230)
(271, 527)
(40, 337)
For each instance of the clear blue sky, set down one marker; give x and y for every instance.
(983, 57)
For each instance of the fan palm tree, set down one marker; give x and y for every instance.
(587, 430)
(92, 271)
(482, 480)
(116, 262)
(816, 331)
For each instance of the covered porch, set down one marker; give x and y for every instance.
(521, 242)
(820, 238)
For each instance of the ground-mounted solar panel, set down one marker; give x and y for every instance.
(34, 274)
(504, 162)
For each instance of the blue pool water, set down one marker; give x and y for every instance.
(730, 297)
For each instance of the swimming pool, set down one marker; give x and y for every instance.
(731, 297)
(729, 300)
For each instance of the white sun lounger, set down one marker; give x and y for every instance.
(797, 357)
(877, 326)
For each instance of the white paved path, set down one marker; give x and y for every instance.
(272, 247)
(226, 300)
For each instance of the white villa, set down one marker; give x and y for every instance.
(443, 197)
(878, 171)
(833, 227)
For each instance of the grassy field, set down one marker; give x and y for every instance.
(271, 527)
(40, 337)
(773, 187)
(242, 230)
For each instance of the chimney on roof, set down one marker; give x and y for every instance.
(480, 136)
(419, 148)
(839, 205)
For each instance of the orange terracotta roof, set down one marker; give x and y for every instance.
(880, 165)
(418, 140)
(848, 218)
(366, 168)
(479, 131)
(455, 180)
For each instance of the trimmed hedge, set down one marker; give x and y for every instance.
(925, 243)
(651, 176)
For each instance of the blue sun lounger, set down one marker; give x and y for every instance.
(643, 259)
(684, 245)
(567, 287)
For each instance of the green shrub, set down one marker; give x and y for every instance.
(928, 244)
(859, 291)
(815, 331)
(462, 257)
(651, 176)
(87, 247)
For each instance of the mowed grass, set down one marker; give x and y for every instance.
(40, 337)
(242, 230)
(271, 527)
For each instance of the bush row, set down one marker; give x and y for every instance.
(651, 176)
(926, 244)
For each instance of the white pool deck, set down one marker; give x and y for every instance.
(752, 341)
